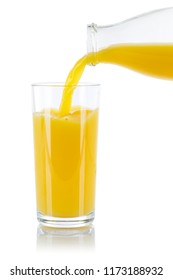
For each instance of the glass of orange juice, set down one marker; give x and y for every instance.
(65, 154)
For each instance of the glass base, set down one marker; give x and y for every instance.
(57, 222)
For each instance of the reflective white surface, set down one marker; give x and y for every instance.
(65, 239)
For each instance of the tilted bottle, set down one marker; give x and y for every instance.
(143, 43)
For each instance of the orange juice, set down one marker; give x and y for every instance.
(65, 139)
(65, 162)
(150, 59)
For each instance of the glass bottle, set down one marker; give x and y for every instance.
(150, 28)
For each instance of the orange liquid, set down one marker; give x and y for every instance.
(65, 140)
(154, 60)
(65, 162)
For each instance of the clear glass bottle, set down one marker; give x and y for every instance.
(150, 28)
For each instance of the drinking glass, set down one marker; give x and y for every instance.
(65, 154)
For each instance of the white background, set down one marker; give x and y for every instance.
(40, 40)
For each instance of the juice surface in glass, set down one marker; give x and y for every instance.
(65, 161)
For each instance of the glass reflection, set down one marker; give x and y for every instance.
(76, 238)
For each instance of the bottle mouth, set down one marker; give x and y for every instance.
(92, 30)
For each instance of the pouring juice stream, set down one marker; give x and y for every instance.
(150, 59)
(154, 60)
(64, 164)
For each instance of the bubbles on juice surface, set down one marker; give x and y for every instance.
(77, 114)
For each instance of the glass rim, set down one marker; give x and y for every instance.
(61, 84)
